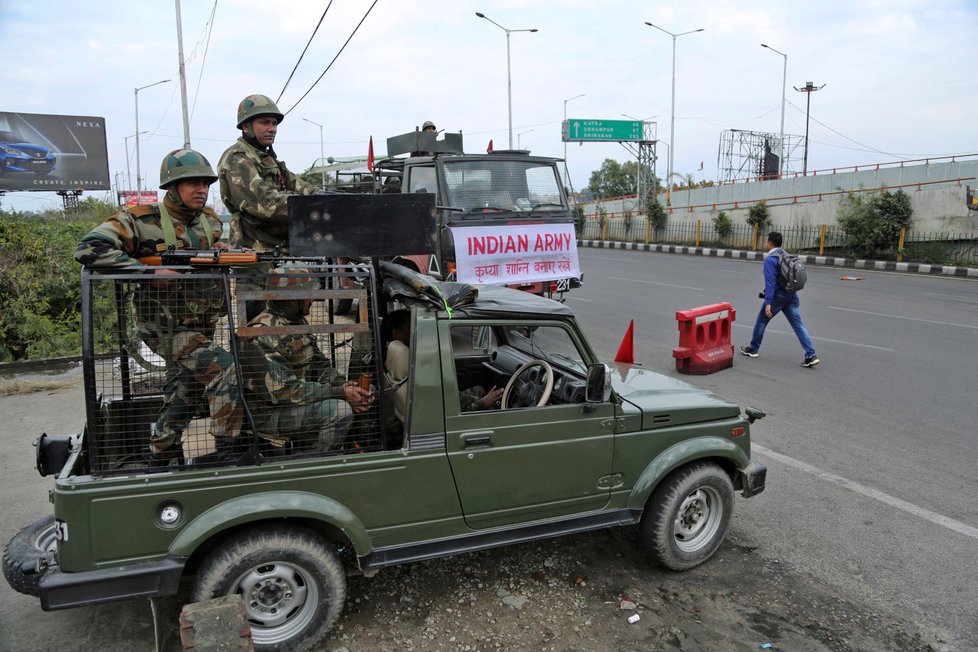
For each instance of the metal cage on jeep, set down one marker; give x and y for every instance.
(138, 326)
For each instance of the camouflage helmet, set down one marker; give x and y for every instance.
(185, 164)
(256, 105)
(427, 124)
(291, 277)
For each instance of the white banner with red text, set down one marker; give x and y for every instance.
(512, 254)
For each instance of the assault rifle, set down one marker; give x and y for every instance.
(174, 256)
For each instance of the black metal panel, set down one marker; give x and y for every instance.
(357, 226)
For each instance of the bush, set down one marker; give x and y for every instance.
(627, 219)
(580, 219)
(656, 215)
(873, 223)
(40, 294)
(723, 225)
(758, 215)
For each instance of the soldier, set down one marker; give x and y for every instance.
(174, 317)
(428, 126)
(293, 391)
(255, 185)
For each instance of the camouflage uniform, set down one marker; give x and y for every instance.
(293, 391)
(255, 185)
(175, 318)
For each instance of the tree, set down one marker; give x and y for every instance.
(873, 224)
(723, 225)
(614, 179)
(656, 215)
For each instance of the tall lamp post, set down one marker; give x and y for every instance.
(139, 176)
(566, 171)
(322, 155)
(807, 89)
(128, 170)
(509, 76)
(784, 82)
(672, 113)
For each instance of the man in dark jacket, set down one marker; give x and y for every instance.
(777, 299)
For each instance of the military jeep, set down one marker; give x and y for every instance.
(573, 445)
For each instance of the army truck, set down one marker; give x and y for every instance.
(573, 445)
(503, 217)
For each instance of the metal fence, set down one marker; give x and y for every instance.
(931, 247)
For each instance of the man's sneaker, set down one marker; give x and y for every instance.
(749, 352)
(810, 361)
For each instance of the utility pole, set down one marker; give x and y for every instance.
(808, 89)
(183, 80)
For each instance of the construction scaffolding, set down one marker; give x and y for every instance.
(755, 156)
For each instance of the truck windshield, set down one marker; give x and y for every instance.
(503, 185)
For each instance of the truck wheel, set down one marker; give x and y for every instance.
(21, 554)
(687, 516)
(342, 306)
(292, 584)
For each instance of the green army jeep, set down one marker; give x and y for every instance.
(576, 445)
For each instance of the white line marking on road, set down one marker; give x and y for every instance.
(926, 321)
(818, 339)
(665, 285)
(575, 297)
(869, 492)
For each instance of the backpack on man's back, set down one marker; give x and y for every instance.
(792, 274)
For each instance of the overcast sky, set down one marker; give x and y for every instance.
(901, 76)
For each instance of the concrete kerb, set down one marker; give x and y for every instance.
(827, 261)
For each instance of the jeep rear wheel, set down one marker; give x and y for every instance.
(292, 584)
(687, 516)
(21, 554)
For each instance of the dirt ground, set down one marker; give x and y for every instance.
(573, 593)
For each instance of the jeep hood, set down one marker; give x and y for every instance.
(665, 401)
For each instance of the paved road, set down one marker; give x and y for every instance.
(873, 471)
(872, 481)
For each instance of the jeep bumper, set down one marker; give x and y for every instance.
(61, 590)
(752, 479)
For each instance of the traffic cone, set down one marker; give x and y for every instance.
(626, 351)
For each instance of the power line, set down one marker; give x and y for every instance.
(304, 51)
(207, 44)
(347, 42)
(852, 140)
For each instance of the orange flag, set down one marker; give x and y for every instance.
(370, 155)
(626, 352)
(489, 149)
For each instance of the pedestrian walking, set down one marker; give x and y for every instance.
(777, 299)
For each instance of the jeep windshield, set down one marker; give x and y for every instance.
(512, 186)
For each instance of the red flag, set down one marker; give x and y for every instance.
(370, 155)
(626, 352)
(489, 149)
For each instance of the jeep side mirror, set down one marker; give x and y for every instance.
(598, 383)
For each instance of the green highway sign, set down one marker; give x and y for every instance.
(580, 129)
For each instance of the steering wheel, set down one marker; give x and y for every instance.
(538, 383)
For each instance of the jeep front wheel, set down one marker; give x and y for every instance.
(292, 584)
(687, 516)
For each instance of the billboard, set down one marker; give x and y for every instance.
(130, 198)
(52, 152)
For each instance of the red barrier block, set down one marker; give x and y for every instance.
(704, 339)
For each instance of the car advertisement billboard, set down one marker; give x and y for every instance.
(52, 152)
(130, 198)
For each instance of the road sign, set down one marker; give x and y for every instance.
(581, 129)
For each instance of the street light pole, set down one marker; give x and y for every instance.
(566, 171)
(672, 114)
(128, 169)
(807, 89)
(518, 145)
(139, 177)
(784, 82)
(322, 155)
(509, 76)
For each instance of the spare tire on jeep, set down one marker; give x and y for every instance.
(21, 555)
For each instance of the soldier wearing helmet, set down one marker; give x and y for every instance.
(175, 318)
(293, 391)
(428, 126)
(255, 184)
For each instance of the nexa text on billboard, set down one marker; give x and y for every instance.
(52, 152)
